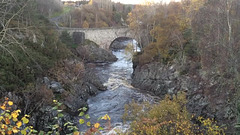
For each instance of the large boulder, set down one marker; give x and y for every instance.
(95, 54)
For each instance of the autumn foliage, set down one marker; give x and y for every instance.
(164, 31)
(169, 117)
(11, 122)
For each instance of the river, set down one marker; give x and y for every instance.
(117, 78)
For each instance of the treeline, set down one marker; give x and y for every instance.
(93, 16)
(201, 30)
(165, 31)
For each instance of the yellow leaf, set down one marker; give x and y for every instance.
(19, 124)
(18, 111)
(27, 115)
(88, 124)
(23, 132)
(1, 117)
(81, 121)
(76, 133)
(3, 107)
(25, 120)
(106, 117)
(96, 125)
(10, 103)
(3, 125)
(15, 130)
(14, 114)
(15, 119)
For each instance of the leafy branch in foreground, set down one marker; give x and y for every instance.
(94, 128)
(12, 123)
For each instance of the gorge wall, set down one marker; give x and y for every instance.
(203, 98)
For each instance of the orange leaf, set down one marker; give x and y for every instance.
(96, 125)
(7, 121)
(9, 132)
(5, 128)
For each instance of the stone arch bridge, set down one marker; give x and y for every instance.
(102, 36)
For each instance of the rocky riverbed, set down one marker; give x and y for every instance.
(117, 79)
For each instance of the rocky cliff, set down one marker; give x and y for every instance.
(204, 98)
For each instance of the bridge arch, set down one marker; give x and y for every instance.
(122, 42)
(118, 43)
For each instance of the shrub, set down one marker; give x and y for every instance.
(170, 116)
(67, 39)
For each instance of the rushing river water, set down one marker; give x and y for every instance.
(117, 78)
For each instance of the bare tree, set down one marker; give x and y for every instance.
(12, 24)
(215, 30)
(48, 7)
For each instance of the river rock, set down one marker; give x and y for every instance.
(94, 80)
(95, 54)
(46, 80)
(56, 87)
(73, 104)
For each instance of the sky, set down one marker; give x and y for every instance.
(141, 1)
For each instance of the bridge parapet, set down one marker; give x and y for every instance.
(102, 36)
(85, 29)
